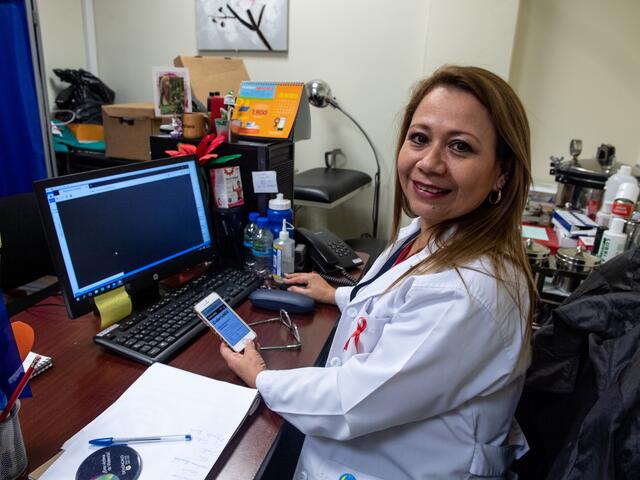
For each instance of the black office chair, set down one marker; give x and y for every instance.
(24, 253)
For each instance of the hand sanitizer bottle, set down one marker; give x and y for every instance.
(283, 254)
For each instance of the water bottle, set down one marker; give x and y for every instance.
(283, 254)
(250, 231)
(280, 209)
(262, 248)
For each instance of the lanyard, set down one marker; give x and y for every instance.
(387, 265)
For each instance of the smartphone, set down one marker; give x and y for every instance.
(221, 318)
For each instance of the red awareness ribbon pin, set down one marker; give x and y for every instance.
(362, 324)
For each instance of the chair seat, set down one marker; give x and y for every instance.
(326, 185)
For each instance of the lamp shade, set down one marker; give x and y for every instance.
(319, 93)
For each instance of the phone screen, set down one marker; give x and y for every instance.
(225, 321)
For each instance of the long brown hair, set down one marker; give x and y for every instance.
(489, 231)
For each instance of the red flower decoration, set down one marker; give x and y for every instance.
(207, 145)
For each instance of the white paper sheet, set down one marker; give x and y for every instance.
(166, 401)
(265, 181)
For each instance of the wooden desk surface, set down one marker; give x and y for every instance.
(85, 379)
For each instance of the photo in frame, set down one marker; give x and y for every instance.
(171, 91)
(248, 25)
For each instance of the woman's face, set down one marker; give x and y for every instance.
(447, 164)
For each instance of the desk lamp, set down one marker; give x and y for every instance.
(320, 96)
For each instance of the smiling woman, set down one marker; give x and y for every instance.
(428, 359)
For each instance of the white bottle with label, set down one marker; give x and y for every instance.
(613, 240)
(623, 175)
(625, 201)
(283, 254)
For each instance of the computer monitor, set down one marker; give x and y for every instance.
(127, 225)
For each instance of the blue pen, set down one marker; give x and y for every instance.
(107, 441)
(3, 400)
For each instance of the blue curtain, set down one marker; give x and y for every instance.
(22, 157)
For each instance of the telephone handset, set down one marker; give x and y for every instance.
(328, 252)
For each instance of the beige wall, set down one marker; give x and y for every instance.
(62, 40)
(576, 67)
(471, 32)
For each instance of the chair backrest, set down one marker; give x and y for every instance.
(24, 255)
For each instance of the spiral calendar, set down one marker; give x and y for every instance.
(267, 109)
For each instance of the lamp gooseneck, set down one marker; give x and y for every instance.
(320, 96)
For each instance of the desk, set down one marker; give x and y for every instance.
(85, 379)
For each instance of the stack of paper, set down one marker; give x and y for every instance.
(166, 401)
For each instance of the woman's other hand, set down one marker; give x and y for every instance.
(247, 365)
(315, 286)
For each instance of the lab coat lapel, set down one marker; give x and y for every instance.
(385, 280)
(379, 285)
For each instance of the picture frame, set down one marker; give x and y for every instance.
(171, 91)
(242, 25)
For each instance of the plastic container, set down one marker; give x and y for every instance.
(262, 249)
(249, 233)
(625, 201)
(13, 456)
(216, 103)
(613, 183)
(613, 240)
(280, 209)
(283, 254)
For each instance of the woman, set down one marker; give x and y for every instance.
(428, 361)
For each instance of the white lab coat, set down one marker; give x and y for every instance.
(432, 392)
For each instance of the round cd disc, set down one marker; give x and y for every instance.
(117, 462)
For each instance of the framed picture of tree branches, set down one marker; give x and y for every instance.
(242, 25)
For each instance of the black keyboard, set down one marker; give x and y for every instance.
(159, 332)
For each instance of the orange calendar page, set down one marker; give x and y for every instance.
(266, 109)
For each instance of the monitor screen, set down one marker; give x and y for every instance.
(112, 227)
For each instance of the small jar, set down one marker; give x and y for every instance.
(537, 254)
(573, 259)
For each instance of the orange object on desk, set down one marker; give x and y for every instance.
(86, 132)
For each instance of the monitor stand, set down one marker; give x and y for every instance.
(143, 293)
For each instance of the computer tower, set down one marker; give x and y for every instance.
(256, 156)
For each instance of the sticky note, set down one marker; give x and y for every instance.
(113, 306)
(265, 182)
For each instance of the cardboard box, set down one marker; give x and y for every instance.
(127, 128)
(213, 74)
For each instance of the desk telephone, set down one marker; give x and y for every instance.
(328, 252)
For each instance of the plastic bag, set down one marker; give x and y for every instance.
(85, 96)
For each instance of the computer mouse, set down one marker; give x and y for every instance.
(277, 299)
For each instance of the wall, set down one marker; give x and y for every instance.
(468, 32)
(576, 67)
(62, 40)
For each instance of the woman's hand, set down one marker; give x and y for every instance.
(315, 286)
(246, 365)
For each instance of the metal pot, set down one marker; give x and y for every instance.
(538, 254)
(581, 181)
(573, 260)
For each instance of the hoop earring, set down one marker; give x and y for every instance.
(497, 199)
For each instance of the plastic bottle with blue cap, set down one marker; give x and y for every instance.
(262, 248)
(249, 233)
(280, 209)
